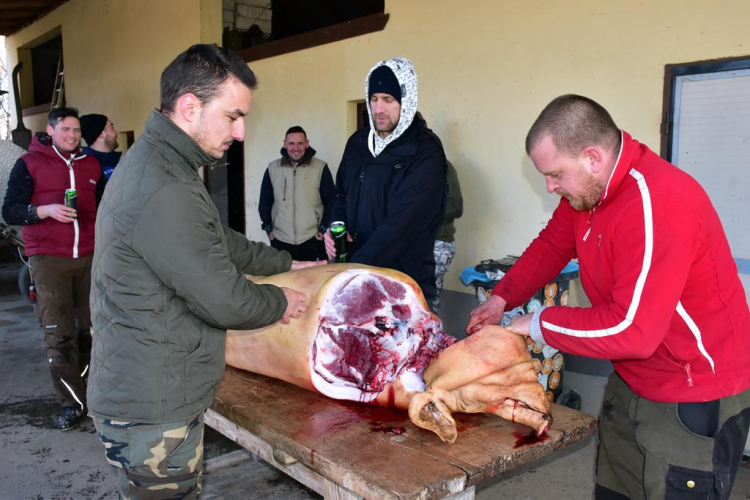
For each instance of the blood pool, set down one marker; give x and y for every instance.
(369, 336)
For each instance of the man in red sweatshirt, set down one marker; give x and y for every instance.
(667, 305)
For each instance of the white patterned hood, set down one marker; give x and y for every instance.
(407, 79)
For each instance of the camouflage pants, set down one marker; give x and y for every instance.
(444, 253)
(62, 287)
(155, 461)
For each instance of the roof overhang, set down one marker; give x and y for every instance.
(17, 14)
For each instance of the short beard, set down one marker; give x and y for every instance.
(388, 128)
(112, 144)
(593, 190)
(199, 136)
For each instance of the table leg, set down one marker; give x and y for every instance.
(253, 443)
(333, 491)
(467, 494)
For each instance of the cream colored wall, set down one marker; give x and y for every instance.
(35, 123)
(115, 51)
(486, 69)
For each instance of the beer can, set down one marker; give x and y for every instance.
(71, 199)
(338, 232)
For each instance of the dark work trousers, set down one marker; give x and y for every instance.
(62, 289)
(674, 451)
(311, 249)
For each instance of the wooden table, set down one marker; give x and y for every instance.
(346, 450)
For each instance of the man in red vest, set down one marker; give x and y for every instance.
(60, 245)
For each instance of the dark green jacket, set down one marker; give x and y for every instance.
(167, 282)
(454, 207)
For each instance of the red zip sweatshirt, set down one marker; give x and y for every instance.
(667, 305)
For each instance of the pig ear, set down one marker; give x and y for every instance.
(428, 411)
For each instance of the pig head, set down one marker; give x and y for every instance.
(369, 336)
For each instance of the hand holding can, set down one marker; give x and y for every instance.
(71, 199)
(338, 233)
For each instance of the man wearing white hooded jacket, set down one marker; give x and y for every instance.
(391, 183)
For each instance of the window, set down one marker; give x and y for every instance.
(705, 131)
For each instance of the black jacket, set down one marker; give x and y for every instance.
(393, 203)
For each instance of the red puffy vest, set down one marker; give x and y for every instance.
(52, 175)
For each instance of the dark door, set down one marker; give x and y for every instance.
(226, 185)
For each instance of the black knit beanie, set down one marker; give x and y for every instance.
(383, 80)
(91, 126)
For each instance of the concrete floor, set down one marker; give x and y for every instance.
(39, 462)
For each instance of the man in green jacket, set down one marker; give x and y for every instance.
(168, 280)
(445, 241)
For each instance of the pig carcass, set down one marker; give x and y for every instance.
(369, 336)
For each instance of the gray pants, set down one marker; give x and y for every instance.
(647, 451)
(155, 461)
(444, 253)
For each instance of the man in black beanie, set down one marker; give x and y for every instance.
(101, 136)
(391, 183)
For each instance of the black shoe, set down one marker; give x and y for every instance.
(69, 418)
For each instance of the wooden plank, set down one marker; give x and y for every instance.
(226, 460)
(281, 460)
(332, 491)
(328, 34)
(488, 445)
(377, 452)
(253, 479)
(342, 441)
(250, 442)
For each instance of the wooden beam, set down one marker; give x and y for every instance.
(18, 14)
(329, 34)
(226, 460)
(41, 8)
(24, 4)
(36, 110)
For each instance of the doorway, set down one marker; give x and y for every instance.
(225, 182)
